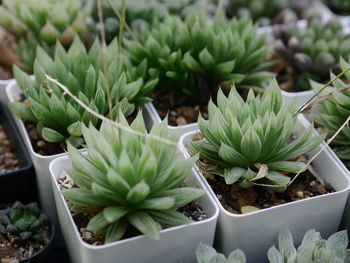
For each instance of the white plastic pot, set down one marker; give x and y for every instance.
(297, 97)
(3, 84)
(256, 231)
(176, 244)
(40, 162)
(151, 113)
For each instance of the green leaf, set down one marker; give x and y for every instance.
(232, 175)
(115, 213)
(22, 111)
(231, 156)
(85, 198)
(169, 217)
(182, 195)
(75, 129)
(98, 222)
(278, 178)
(145, 224)
(161, 203)
(287, 166)
(204, 253)
(51, 135)
(116, 231)
(138, 193)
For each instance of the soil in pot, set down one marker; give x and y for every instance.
(237, 200)
(8, 160)
(23, 251)
(182, 109)
(81, 218)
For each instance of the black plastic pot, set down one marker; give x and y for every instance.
(44, 254)
(19, 184)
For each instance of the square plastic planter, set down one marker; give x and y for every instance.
(41, 162)
(3, 84)
(19, 184)
(176, 244)
(152, 114)
(256, 231)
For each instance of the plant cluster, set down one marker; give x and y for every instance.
(105, 81)
(21, 223)
(42, 22)
(193, 56)
(262, 11)
(140, 12)
(249, 142)
(310, 53)
(333, 112)
(207, 254)
(313, 248)
(340, 7)
(130, 180)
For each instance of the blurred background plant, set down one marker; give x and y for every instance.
(105, 85)
(42, 22)
(331, 113)
(309, 53)
(312, 249)
(267, 12)
(340, 7)
(139, 13)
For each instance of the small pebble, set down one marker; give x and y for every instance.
(300, 194)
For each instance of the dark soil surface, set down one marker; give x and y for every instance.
(12, 251)
(8, 161)
(193, 211)
(39, 144)
(181, 110)
(233, 198)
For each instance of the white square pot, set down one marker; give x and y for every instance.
(152, 115)
(3, 84)
(176, 244)
(297, 97)
(41, 162)
(256, 232)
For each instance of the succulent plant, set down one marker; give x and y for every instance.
(130, 180)
(262, 11)
(192, 57)
(313, 248)
(42, 22)
(21, 223)
(58, 116)
(340, 7)
(333, 112)
(310, 53)
(207, 254)
(140, 12)
(248, 142)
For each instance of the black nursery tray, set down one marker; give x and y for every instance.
(19, 184)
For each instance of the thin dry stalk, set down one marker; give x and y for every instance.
(306, 105)
(122, 20)
(104, 51)
(103, 118)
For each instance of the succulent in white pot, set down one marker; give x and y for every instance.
(250, 153)
(128, 184)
